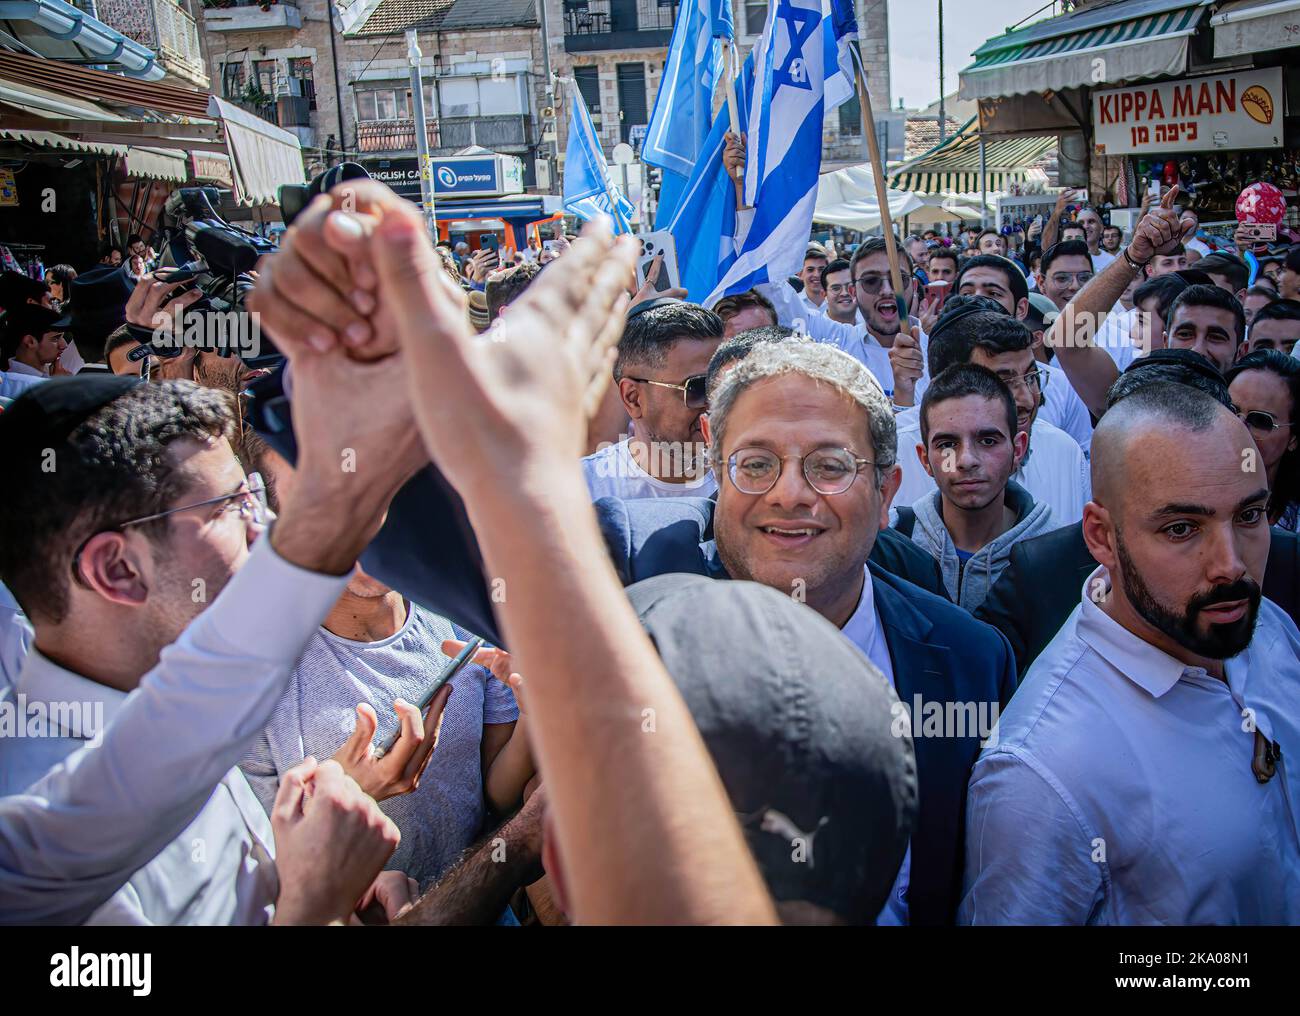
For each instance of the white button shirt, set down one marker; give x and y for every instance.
(1118, 787)
(864, 630)
(77, 835)
(219, 871)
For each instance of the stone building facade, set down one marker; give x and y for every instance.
(343, 86)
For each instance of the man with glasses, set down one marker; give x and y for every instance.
(1053, 470)
(663, 360)
(803, 443)
(116, 555)
(999, 280)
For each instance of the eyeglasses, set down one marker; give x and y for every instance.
(1034, 381)
(1261, 421)
(251, 504)
(827, 470)
(871, 282)
(1065, 278)
(694, 394)
(840, 287)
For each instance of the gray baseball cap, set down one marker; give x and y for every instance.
(800, 726)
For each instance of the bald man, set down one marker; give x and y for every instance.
(1135, 778)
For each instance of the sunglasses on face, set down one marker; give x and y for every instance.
(694, 394)
(1258, 420)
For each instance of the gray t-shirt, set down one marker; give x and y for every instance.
(317, 714)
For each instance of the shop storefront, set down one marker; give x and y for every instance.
(1145, 94)
(1211, 135)
(94, 155)
(474, 193)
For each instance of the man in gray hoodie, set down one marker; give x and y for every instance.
(971, 446)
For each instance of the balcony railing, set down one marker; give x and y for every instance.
(617, 24)
(165, 28)
(446, 135)
(250, 15)
(392, 135)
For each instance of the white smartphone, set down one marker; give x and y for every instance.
(653, 245)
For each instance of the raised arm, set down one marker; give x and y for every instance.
(1090, 369)
(643, 825)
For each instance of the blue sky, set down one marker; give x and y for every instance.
(914, 41)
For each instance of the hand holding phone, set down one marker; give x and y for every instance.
(449, 670)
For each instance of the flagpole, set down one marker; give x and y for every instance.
(882, 190)
(729, 71)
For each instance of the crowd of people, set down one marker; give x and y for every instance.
(1008, 632)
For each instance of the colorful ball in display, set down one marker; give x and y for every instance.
(1261, 203)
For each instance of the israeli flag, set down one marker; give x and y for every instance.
(784, 140)
(683, 113)
(589, 189)
(704, 223)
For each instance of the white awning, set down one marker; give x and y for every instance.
(847, 198)
(155, 164)
(263, 156)
(1252, 26)
(39, 102)
(1127, 41)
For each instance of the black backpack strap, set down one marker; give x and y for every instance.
(906, 521)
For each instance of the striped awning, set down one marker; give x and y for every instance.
(1111, 43)
(954, 166)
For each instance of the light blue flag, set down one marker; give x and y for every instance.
(784, 140)
(704, 222)
(683, 113)
(589, 189)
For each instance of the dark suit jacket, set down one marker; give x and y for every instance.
(1044, 581)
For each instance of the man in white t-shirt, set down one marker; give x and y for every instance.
(663, 361)
(1090, 220)
(1053, 469)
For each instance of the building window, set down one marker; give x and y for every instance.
(382, 104)
(301, 72)
(755, 16)
(232, 80)
(588, 81)
(265, 70)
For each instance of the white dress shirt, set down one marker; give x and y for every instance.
(1054, 471)
(15, 638)
(1118, 786)
(864, 630)
(78, 834)
(219, 871)
(809, 307)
